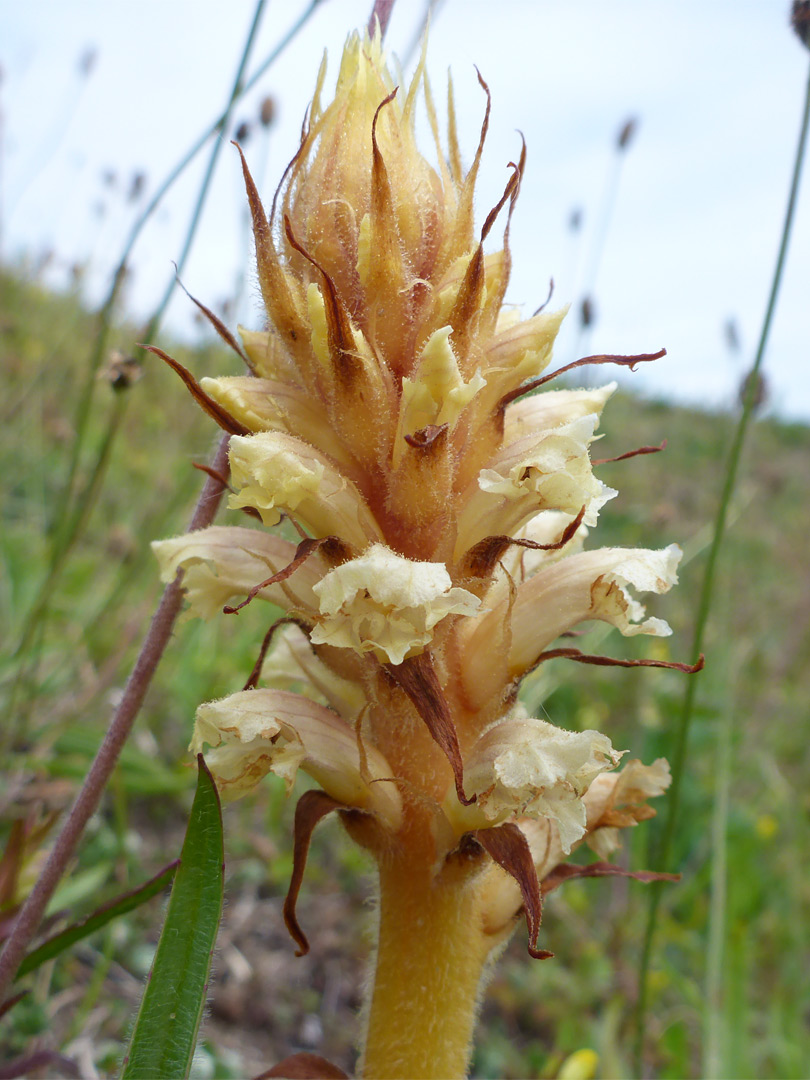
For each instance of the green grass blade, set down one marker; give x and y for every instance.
(165, 1032)
(119, 906)
(678, 755)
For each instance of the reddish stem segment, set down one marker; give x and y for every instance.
(87, 801)
(381, 12)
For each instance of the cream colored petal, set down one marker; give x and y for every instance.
(276, 472)
(546, 471)
(639, 782)
(272, 405)
(520, 352)
(531, 768)
(254, 732)
(603, 842)
(590, 585)
(551, 408)
(523, 348)
(543, 835)
(437, 393)
(632, 786)
(385, 604)
(267, 356)
(621, 798)
(225, 562)
(501, 897)
(293, 662)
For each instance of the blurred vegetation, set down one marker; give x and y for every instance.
(746, 1017)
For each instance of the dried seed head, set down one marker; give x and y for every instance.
(121, 371)
(800, 21)
(627, 133)
(267, 111)
(136, 186)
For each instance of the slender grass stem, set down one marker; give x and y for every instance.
(714, 1016)
(87, 801)
(108, 307)
(191, 232)
(380, 13)
(610, 198)
(72, 514)
(663, 847)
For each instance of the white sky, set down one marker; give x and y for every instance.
(717, 86)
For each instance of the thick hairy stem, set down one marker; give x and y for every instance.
(430, 958)
(89, 797)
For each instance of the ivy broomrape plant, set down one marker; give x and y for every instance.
(442, 512)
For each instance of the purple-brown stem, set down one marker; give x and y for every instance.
(381, 12)
(155, 642)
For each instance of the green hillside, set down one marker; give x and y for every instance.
(729, 986)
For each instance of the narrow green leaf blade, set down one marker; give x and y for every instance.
(165, 1034)
(119, 906)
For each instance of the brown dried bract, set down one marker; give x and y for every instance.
(510, 850)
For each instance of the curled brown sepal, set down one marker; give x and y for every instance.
(547, 300)
(223, 479)
(306, 548)
(510, 192)
(215, 321)
(386, 252)
(600, 358)
(567, 871)
(215, 411)
(253, 678)
(426, 437)
(480, 560)
(417, 677)
(338, 327)
(220, 477)
(630, 453)
(311, 807)
(610, 661)
(304, 1066)
(509, 848)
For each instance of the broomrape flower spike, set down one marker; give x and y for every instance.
(442, 517)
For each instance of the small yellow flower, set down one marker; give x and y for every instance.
(386, 605)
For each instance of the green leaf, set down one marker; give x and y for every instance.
(78, 888)
(119, 906)
(165, 1034)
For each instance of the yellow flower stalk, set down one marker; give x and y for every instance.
(442, 517)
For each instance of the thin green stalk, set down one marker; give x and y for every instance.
(707, 590)
(106, 312)
(191, 232)
(715, 1022)
(70, 522)
(610, 196)
(76, 522)
(101, 967)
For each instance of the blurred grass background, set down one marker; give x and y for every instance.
(729, 993)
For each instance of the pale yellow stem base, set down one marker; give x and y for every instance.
(431, 954)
